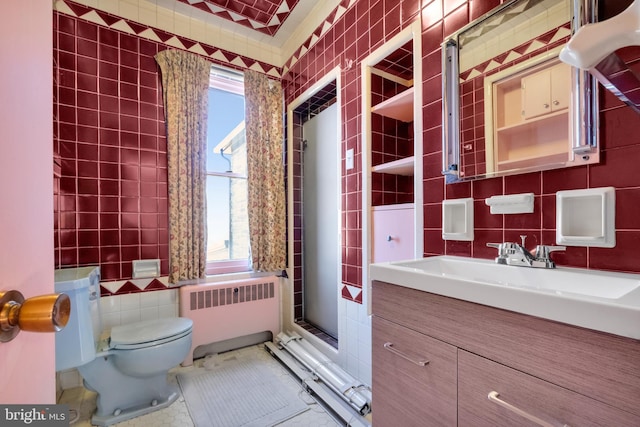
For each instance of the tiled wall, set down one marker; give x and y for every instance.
(112, 196)
(134, 307)
(110, 187)
(363, 28)
(91, 130)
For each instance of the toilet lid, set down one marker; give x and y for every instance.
(124, 336)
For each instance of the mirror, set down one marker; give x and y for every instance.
(510, 105)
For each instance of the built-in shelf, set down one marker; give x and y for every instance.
(559, 157)
(532, 124)
(399, 107)
(397, 167)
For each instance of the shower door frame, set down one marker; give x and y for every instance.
(294, 268)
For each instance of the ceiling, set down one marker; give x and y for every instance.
(268, 35)
(264, 16)
(267, 21)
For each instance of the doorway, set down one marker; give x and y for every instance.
(320, 219)
(314, 149)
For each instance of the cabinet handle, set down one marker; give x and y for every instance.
(389, 346)
(546, 105)
(493, 396)
(389, 238)
(556, 102)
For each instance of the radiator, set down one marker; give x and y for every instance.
(232, 309)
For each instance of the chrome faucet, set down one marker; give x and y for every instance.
(516, 254)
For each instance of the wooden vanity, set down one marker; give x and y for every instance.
(436, 360)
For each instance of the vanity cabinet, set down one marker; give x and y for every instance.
(416, 381)
(550, 372)
(514, 391)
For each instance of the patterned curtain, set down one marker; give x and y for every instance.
(185, 83)
(264, 131)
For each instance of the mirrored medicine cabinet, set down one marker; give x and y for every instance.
(509, 105)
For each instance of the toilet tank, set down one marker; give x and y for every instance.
(76, 343)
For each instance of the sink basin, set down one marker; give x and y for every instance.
(559, 280)
(600, 300)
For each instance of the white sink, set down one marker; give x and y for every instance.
(600, 300)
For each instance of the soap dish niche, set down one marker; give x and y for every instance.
(457, 219)
(586, 217)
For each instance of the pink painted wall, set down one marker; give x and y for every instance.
(26, 179)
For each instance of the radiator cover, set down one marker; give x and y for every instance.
(226, 310)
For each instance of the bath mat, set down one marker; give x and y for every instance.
(239, 392)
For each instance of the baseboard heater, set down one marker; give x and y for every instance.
(347, 397)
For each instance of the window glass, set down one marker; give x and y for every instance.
(227, 220)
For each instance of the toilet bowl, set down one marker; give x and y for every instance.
(128, 367)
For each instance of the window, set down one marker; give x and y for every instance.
(227, 218)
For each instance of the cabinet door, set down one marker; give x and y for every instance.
(546, 91)
(548, 403)
(560, 86)
(536, 94)
(393, 236)
(406, 391)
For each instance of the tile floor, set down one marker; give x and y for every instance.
(177, 414)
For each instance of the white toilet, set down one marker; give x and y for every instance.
(128, 367)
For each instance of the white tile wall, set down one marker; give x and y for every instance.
(122, 309)
(357, 342)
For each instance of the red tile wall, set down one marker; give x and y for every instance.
(111, 196)
(363, 28)
(298, 273)
(110, 186)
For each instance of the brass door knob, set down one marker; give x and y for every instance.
(45, 313)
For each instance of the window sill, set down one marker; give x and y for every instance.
(224, 267)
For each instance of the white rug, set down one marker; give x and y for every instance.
(239, 392)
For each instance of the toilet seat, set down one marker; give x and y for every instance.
(149, 333)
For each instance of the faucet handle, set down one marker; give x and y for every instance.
(543, 251)
(503, 249)
(543, 254)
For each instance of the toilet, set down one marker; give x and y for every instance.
(127, 366)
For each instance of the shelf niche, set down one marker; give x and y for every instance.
(402, 167)
(399, 107)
